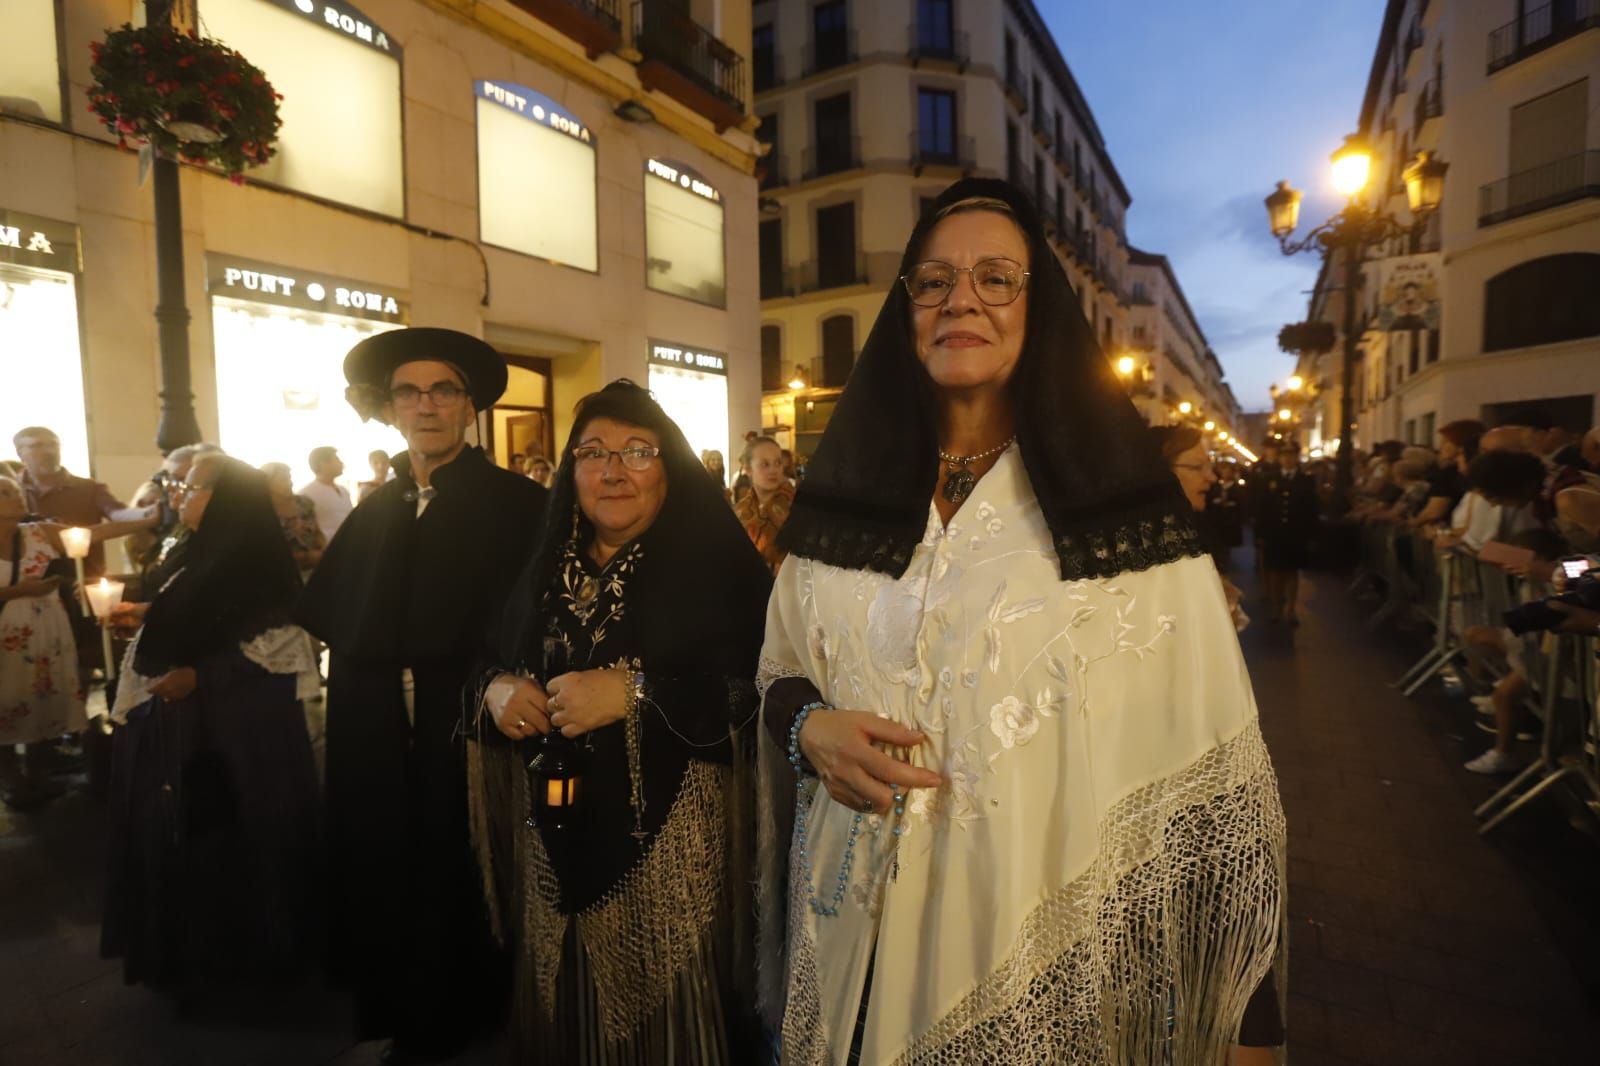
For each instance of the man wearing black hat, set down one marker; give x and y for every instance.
(401, 598)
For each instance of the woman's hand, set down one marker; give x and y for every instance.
(842, 747)
(176, 684)
(587, 700)
(518, 706)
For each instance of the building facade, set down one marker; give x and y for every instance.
(572, 180)
(1177, 375)
(869, 108)
(1493, 310)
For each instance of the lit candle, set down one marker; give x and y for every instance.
(555, 792)
(104, 596)
(76, 540)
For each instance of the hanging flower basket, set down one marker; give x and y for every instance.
(188, 97)
(1309, 338)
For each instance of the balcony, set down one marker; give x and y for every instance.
(832, 155)
(836, 48)
(1540, 28)
(1016, 91)
(958, 153)
(1413, 44)
(687, 62)
(1041, 132)
(815, 276)
(1430, 104)
(595, 24)
(774, 172)
(1564, 181)
(936, 45)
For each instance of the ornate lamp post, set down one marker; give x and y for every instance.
(1352, 233)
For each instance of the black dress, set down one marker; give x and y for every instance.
(629, 943)
(396, 592)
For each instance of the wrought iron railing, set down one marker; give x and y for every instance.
(836, 48)
(931, 151)
(662, 33)
(1576, 177)
(1540, 28)
(816, 275)
(936, 42)
(1430, 104)
(831, 155)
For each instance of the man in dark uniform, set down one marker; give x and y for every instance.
(1286, 520)
(401, 598)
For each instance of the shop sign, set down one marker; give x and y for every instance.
(698, 359)
(683, 178)
(535, 107)
(36, 241)
(343, 19)
(247, 279)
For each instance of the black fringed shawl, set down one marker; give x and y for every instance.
(237, 580)
(1111, 502)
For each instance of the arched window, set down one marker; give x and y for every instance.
(1542, 301)
(838, 350)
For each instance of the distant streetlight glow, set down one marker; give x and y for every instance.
(1125, 365)
(1285, 414)
(1210, 425)
(1185, 407)
(1296, 382)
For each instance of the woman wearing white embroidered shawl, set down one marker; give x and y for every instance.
(1035, 821)
(214, 865)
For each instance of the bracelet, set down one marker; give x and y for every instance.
(801, 765)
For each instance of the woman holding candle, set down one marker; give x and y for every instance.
(625, 667)
(1034, 818)
(41, 697)
(214, 842)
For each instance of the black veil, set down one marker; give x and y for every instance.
(703, 587)
(1111, 502)
(238, 577)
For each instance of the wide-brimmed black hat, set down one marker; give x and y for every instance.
(370, 365)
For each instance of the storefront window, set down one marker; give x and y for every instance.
(536, 177)
(691, 384)
(41, 361)
(339, 74)
(683, 234)
(280, 338)
(30, 75)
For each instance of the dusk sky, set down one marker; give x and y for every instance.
(1204, 107)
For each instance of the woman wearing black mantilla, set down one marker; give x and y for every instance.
(1034, 818)
(629, 649)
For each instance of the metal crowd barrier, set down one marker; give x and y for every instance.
(1454, 591)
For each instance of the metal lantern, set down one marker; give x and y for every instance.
(1352, 165)
(1283, 209)
(1424, 180)
(555, 778)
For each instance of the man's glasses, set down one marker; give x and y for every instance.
(638, 457)
(996, 281)
(443, 394)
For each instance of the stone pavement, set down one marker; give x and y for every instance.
(1413, 941)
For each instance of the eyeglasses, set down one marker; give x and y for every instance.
(443, 394)
(997, 281)
(638, 457)
(183, 491)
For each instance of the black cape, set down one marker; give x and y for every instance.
(395, 591)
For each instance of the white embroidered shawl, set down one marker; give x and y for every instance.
(1102, 877)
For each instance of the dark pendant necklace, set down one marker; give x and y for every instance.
(959, 481)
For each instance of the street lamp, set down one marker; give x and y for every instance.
(1125, 365)
(1296, 382)
(1185, 407)
(1353, 232)
(1210, 425)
